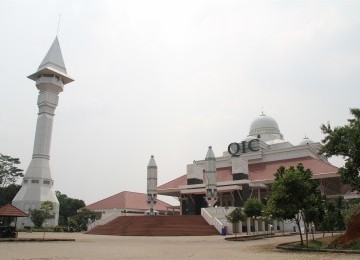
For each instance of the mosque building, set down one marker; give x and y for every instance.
(246, 170)
(212, 187)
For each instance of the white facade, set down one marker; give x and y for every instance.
(37, 185)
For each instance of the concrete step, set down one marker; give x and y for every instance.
(156, 226)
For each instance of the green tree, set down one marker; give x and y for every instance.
(253, 208)
(345, 141)
(8, 193)
(9, 172)
(38, 216)
(341, 208)
(330, 217)
(80, 220)
(68, 207)
(290, 194)
(314, 212)
(235, 216)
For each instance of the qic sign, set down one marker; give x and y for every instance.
(235, 149)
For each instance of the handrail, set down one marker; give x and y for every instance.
(213, 216)
(104, 220)
(213, 221)
(218, 225)
(207, 216)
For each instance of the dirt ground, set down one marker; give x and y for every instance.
(116, 247)
(352, 232)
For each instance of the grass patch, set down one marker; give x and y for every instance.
(326, 243)
(314, 244)
(354, 245)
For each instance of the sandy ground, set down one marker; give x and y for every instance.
(116, 247)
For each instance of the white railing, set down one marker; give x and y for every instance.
(208, 218)
(212, 215)
(218, 225)
(219, 212)
(104, 220)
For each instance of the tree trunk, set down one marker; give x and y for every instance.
(298, 224)
(312, 231)
(306, 228)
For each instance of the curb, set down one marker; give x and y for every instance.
(287, 246)
(35, 239)
(254, 237)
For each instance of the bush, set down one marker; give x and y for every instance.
(58, 229)
(27, 228)
(352, 213)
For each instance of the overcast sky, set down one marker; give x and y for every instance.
(170, 78)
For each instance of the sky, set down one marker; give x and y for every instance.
(169, 78)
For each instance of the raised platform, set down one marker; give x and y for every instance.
(155, 226)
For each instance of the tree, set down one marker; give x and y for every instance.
(38, 216)
(330, 218)
(253, 208)
(9, 173)
(345, 141)
(235, 216)
(314, 212)
(341, 208)
(290, 194)
(80, 220)
(68, 207)
(8, 193)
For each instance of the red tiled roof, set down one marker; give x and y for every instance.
(262, 171)
(127, 200)
(175, 183)
(222, 174)
(11, 211)
(266, 170)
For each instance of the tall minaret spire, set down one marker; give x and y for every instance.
(37, 185)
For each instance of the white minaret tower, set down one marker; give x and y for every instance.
(152, 184)
(37, 185)
(210, 178)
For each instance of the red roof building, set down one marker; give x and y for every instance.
(126, 203)
(11, 211)
(247, 169)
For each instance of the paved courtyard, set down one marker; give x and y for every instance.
(115, 247)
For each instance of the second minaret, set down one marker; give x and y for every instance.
(152, 184)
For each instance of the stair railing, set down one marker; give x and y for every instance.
(213, 221)
(103, 221)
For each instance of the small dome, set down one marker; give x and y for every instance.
(306, 141)
(266, 128)
(264, 125)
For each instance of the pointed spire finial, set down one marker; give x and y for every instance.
(58, 28)
(53, 63)
(152, 162)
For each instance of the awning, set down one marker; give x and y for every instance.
(11, 211)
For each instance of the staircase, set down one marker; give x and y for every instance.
(155, 226)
